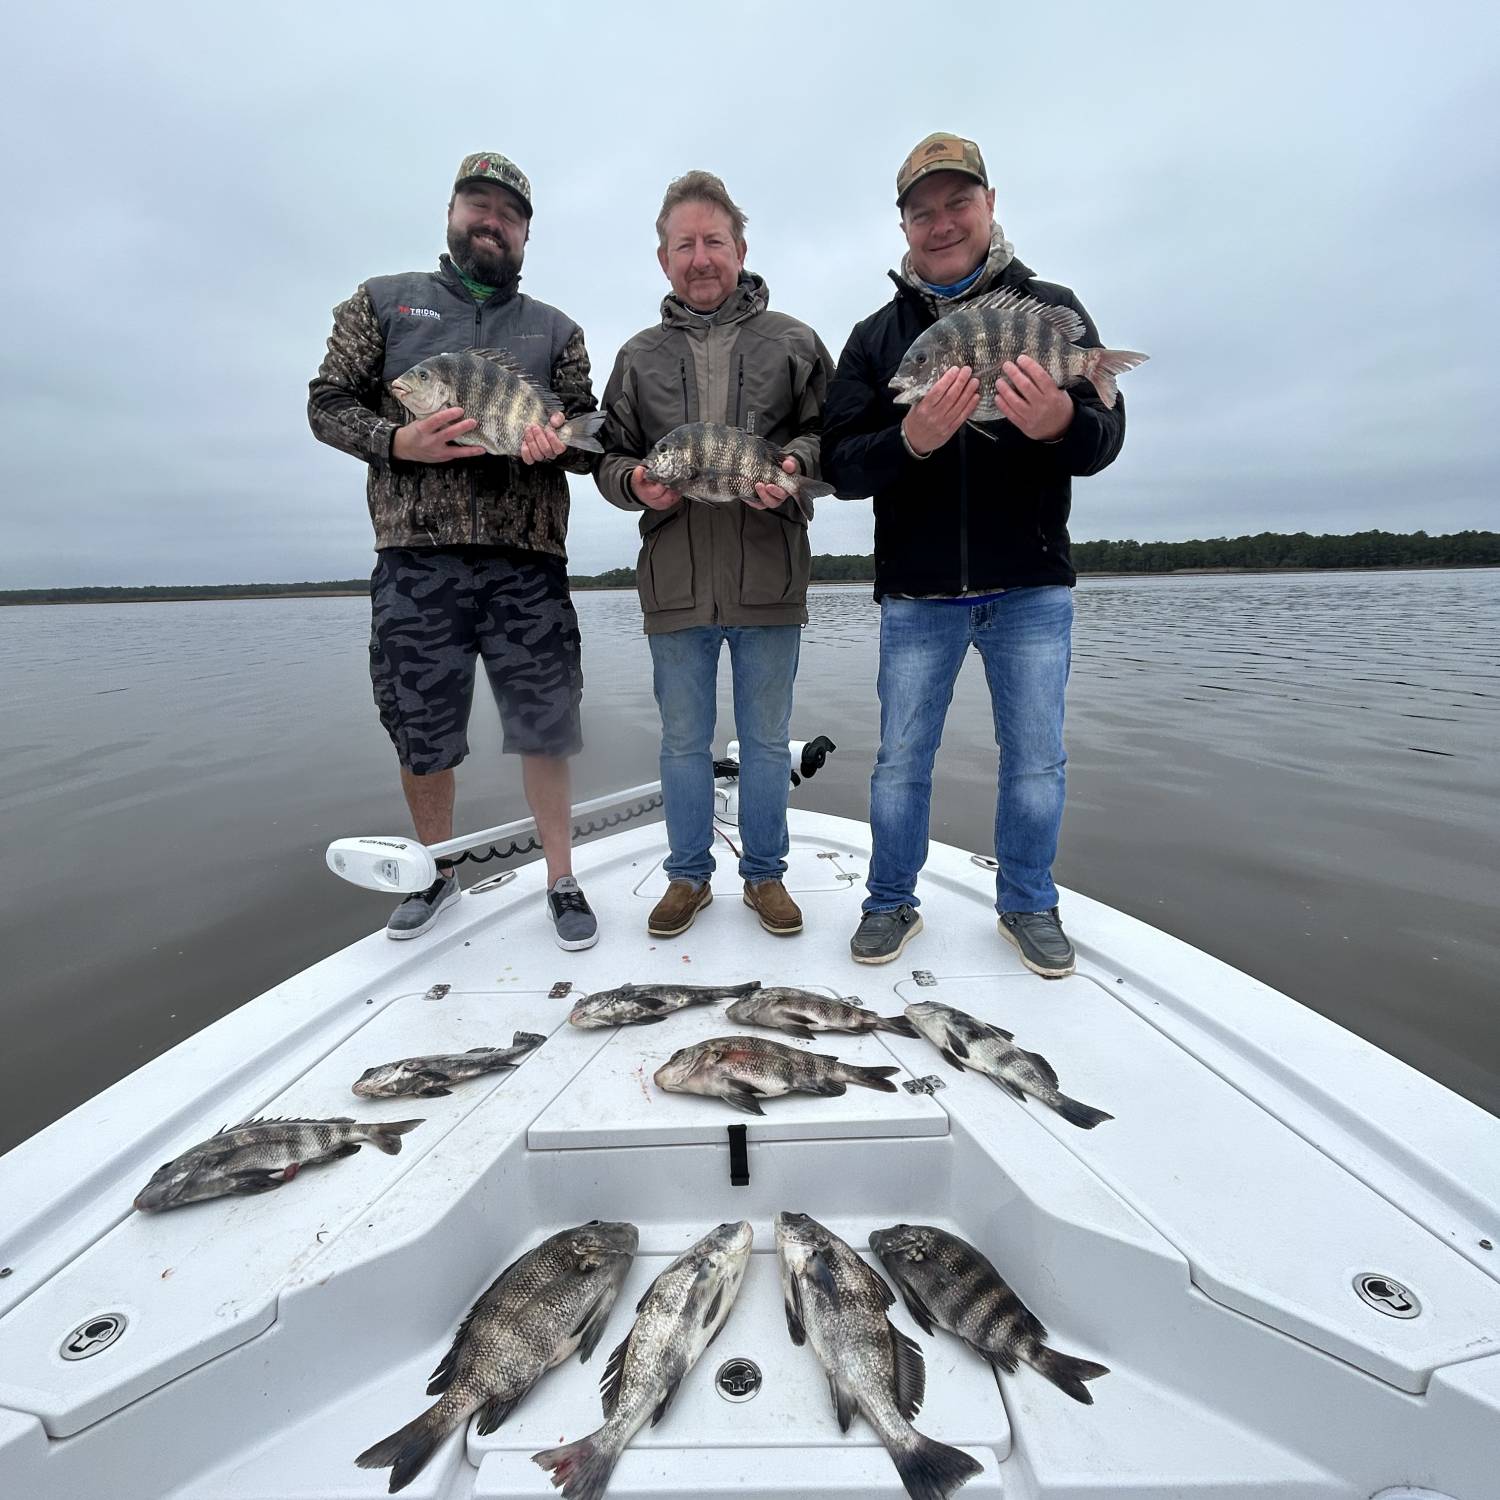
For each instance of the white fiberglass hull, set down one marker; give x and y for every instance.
(1205, 1243)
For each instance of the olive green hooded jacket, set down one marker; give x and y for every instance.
(708, 564)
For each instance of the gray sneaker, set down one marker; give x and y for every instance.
(881, 935)
(576, 925)
(420, 909)
(1044, 946)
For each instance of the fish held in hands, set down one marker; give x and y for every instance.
(553, 1300)
(967, 1042)
(945, 1281)
(263, 1154)
(802, 1013)
(714, 462)
(677, 1319)
(836, 1303)
(500, 396)
(999, 327)
(645, 1004)
(432, 1077)
(743, 1070)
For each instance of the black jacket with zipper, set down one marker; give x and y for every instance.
(985, 511)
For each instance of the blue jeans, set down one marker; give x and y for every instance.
(685, 669)
(1025, 640)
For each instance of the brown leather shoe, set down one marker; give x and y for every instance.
(777, 911)
(675, 911)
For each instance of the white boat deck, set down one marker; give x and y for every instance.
(1204, 1244)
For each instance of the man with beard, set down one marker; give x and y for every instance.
(717, 575)
(470, 557)
(971, 549)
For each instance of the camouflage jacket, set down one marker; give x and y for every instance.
(394, 322)
(753, 368)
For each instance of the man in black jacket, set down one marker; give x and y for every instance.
(971, 548)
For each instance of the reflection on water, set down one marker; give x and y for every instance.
(1294, 772)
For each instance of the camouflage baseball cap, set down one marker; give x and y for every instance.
(940, 152)
(490, 166)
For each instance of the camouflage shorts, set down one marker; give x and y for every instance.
(433, 614)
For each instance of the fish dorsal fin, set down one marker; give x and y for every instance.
(1009, 299)
(614, 1376)
(442, 1377)
(512, 366)
(911, 1374)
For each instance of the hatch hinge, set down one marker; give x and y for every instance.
(928, 1085)
(739, 1157)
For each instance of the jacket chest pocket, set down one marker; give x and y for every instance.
(664, 572)
(763, 396)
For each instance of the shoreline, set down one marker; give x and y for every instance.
(127, 597)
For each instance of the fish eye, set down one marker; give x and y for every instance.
(921, 359)
(593, 1223)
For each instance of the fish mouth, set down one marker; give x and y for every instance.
(400, 389)
(906, 395)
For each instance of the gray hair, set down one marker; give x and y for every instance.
(700, 187)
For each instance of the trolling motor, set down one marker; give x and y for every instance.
(808, 758)
(398, 865)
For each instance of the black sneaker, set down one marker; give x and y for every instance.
(574, 920)
(881, 935)
(1044, 946)
(420, 909)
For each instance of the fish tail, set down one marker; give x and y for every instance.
(386, 1136)
(1102, 365)
(580, 1470)
(527, 1039)
(408, 1449)
(578, 432)
(931, 1470)
(1085, 1116)
(899, 1024)
(741, 990)
(1065, 1371)
(809, 489)
(871, 1078)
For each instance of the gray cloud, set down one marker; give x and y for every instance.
(1293, 209)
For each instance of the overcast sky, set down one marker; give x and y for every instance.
(1292, 209)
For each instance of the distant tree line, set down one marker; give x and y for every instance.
(1270, 549)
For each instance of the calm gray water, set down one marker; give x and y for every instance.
(1297, 773)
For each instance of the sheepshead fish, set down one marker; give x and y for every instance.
(645, 1004)
(429, 1077)
(556, 1298)
(678, 1318)
(970, 1043)
(945, 1280)
(801, 1013)
(711, 461)
(498, 394)
(743, 1070)
(838, 1304)
(988, 330)
(262, 1154)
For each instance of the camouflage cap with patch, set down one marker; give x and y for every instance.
(490, 166)
(940, 152)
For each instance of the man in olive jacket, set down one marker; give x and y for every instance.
(470, 556)
(711, 574)
(971, 549)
